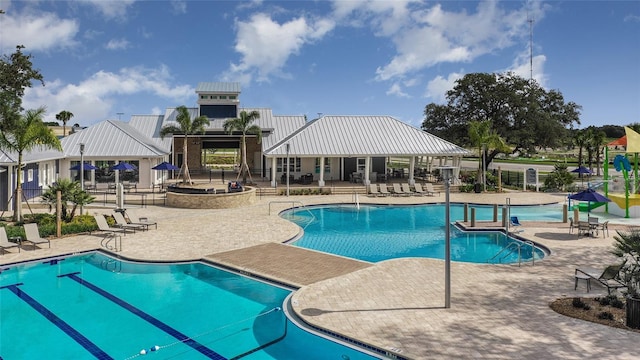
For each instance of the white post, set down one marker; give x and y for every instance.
(287, 169)
(321, 179)
(274, 163)
(412, 167)
(81, 171)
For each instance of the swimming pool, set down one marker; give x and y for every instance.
(377, 233)
(94, 306)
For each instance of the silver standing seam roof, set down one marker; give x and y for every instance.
(111, 139)
(218, 87)
(351, 136)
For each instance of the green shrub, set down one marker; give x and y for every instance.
(578, 303)
(605, 315)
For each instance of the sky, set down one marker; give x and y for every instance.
(105, 59)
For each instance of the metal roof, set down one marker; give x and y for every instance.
(111, 138)
(351, 136)
(39, 153)
(149, 126)
(218, 87)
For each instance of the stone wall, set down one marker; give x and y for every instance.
(212, 201)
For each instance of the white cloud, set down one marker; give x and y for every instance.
(117, 44)
(265, 45)
(522, 67)
(37, 31)
(179, 6)
(396, 90)
(156, 111)
(93, 99)
(111, 9)
(438, 87)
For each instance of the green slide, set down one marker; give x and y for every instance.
(588, 206)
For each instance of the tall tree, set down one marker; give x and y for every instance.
(29, 132)
(524, 114)
(64, 116)
(186, 127)
(580, 139)
(16, 74)
(485, 139)
(245, 125)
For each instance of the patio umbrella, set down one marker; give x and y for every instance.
(86, 166)
(581, 170)
(124, 166)
(589, 195)
(165, 166)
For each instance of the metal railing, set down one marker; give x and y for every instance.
(513, 247)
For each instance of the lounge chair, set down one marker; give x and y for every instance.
(373, 190)
(514, 221)
(33, 235)
(420, 190)
(609, 277)
(104, 226)
(4, 241)
(383, 190)
(141, 221)
(407, 189)
(122, 223)
(428, 187)
(397, 190)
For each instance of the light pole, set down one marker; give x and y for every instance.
(484, 167)
(81, 170)
(447, 175)
(287, 169)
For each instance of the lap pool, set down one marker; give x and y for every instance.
(376, 233)
(91, 306)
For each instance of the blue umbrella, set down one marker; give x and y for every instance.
(165, 166)
(124, 166)
(589, 195)
(581, 170)
(86, 166)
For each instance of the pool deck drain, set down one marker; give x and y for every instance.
(287, 264)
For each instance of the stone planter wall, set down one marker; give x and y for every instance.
(212, 201)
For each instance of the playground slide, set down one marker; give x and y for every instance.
(588, 206)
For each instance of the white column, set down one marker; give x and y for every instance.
(321, 179)
(274, 162)
(367, 169)
(412, 167)
(524, 179)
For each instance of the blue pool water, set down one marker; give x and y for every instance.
(376, 233)
(92, 306)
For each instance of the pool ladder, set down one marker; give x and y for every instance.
(117, 242)
(516, 246)
(355, 200)
(112, 265)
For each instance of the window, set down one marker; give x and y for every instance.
(294, 164)
(327, 167)
(232, 97)
(213, 97)
(361, 164)
(203, 97)
(223, 97)
(30, 175)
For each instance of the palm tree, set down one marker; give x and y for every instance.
(187, 127)
(64, 116)
(245, 125)
(71, 192)
(481, 135)
(29, 132)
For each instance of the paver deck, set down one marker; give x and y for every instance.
(497, 311)
(287, 264)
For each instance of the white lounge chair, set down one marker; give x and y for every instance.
(407, 189)
(420, 191)
(104, 226)
(141, 221)
(383, 190)
(4, 241)
(33, 235)
(397, 190)
(428, 187)
(373, 190)
(122, 223)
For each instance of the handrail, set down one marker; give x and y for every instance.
(117, 242)
(355, 200)
(517, 246)
(292, 202)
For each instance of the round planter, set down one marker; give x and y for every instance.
(633, 312)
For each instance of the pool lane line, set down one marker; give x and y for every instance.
(61, 324)
(150, 319)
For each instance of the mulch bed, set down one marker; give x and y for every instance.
(565, 307)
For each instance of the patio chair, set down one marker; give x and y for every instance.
(428, 187)
(604, 226)
(398, 190)
(407, 189)
(122, 223)
(104, 226)
(141, 221)
(4, 241)
(33, 235)
(514, 221)
(609, 277)
(420, 191)
(383, 190)
(373, 190)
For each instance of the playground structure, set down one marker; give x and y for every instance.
(622, 187)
